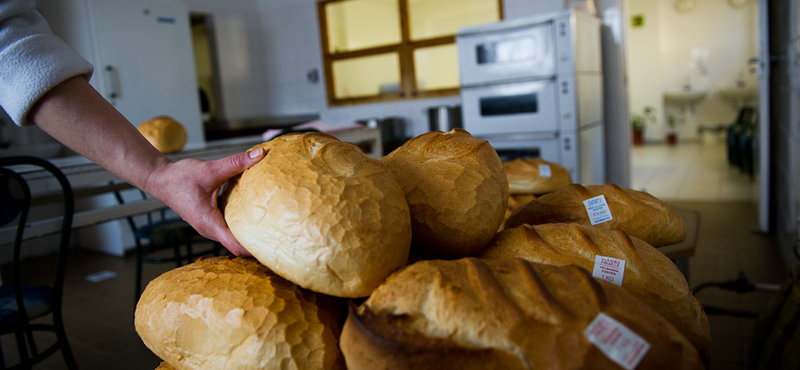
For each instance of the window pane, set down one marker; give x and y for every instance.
(436, 67)
(361, 24)
(434, 18)
(366, 76)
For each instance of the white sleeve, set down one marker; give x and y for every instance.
(32, 59)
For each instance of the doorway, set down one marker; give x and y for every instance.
(690, 78)
(205, 57)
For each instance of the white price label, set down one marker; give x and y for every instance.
(598, 209)
(616, 341)
(545, 171)
(609, 269)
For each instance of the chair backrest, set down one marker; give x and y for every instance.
(16, 203)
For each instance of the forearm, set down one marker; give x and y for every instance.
(77, 116)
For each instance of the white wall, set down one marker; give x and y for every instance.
(659, 55)
(644, 62)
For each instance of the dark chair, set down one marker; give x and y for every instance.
(740, 137)
(161, 238)
(24, 306)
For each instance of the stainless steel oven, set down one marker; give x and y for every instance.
(533, 87)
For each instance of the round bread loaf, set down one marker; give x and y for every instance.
(456, 190)
(233, 313)
(535, 176)
(322, 214)
(648, 274)
(636, 213)
(164, 133)
(501, 314)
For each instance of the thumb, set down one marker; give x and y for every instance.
(233, 165)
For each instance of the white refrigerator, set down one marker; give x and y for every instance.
(142, 54)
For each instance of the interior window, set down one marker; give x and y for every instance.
(382, 50)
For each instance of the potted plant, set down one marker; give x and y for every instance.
(639, 122)
(672, 132)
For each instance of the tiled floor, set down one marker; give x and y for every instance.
(689, 171)
(99, 316)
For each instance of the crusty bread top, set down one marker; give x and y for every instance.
(536, 313)
(648, 275)
(322, 214)
(230, 312)
(524, 176)
(636, 213)
(455, 188)
(164, 133)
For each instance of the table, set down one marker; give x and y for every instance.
(90, 180)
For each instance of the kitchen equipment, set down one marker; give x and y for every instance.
(444, 117)
(533, 87)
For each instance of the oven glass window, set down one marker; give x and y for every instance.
(506, 51)
(512, 104)
(511, 154)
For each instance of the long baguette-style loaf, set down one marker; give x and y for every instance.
(500, 314)
(636, 213)
(648, 274)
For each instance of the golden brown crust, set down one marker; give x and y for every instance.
(322, 214)
(456, 190)
(636, 213)
(164, 133)
(516, 313)
(230, 312)
(649, 275)
(524, 176)
(515, 201)
(165, 366)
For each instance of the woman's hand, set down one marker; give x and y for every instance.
(190, 188)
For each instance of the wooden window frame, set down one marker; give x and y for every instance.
(405, 51)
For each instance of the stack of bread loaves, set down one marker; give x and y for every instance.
(164, 133)
(325, 222)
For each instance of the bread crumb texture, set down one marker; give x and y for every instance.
(233, 313)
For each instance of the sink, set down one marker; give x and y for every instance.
(684, 98)
(737, 94)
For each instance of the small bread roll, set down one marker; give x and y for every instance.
(526, 176)
(636, 213)
(164, 133)
(500, 314)
(233, 313)
(648, 275)
(456, 190)
(322, 214)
